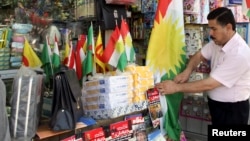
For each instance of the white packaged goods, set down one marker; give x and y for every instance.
(113, 94)
(108, 80)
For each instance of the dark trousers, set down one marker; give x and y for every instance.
(229, 113)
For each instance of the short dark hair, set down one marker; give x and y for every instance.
(223, 16)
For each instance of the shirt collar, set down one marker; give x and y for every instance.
(231, 43)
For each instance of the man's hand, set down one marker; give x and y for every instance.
(182, 77)
(167, 87)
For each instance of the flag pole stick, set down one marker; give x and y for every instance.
(49, 56)
(93, 50)
(99, 29)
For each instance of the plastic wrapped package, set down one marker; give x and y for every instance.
(26, 103)
(5, 133)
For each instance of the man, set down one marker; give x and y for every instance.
(228, 85)
(141, 135)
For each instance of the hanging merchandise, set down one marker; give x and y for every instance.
(66, 103)
(124, 2)
(85, 9)
(62, 117)
(53, 32)
(4, 122)
(110, 14)
(26, 104)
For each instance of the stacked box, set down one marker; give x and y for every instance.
(195, 11)
(192, 10)
(4, 58)
(115, 95)
(142, 80)
(107, 92)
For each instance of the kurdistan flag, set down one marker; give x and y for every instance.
(114, 54)
(130, 52)
(166, 57)
(80, 56)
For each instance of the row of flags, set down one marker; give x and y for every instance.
(88, 56)
(165, 55)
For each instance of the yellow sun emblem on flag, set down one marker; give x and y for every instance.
(166, 50)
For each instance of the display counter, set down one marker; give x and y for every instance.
(44, 133)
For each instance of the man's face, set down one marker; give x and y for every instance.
(218, 33)
(141, 136)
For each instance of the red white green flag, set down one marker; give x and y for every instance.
(166, 57)
(246, 7)
(130, 52)
(114, 54)
(80, 56)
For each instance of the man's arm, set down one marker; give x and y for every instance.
(194, 61)
(192, 64)
(170, 87)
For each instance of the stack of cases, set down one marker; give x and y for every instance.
(107, 93)
(4, 58)
(20, 33)
(195, 11)
(5, 34)
(142, 80)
